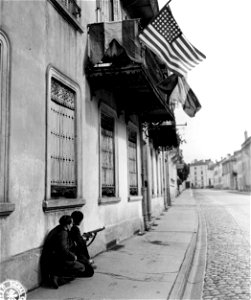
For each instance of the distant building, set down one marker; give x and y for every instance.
(199, 175)
(234, 171)
(217, 175)
(238, 184)
(246, 163)
(228, 173)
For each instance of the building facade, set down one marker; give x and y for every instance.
(77, 100)
(228, 173)
(199, 174)
(246, 163)
(231, 172)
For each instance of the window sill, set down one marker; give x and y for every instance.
(59, 204)
(66, 15)
(135, 198)
(109, 200)
(6, 209)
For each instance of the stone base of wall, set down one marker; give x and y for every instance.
(23, 267)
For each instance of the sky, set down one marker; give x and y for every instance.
(220, 30)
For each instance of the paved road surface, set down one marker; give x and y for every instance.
(227, 217)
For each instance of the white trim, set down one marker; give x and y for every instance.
(6, 207)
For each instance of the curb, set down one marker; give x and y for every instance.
(178, 289)
(195, 282)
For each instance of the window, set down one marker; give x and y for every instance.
(63, 174)
(108, 10)
(70, 11)
(107, 156)
(63, 141)
(111, 10)
(98, 11)
(72, 7)
(132, 162)
(5, 206)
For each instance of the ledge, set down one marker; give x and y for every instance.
(66, 15)
(108, 200)
(59, 204)
(6, 208)
(135, 198)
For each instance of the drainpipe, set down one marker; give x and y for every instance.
(164, 179)
(149, 174)
(144, 178)
(167, 180)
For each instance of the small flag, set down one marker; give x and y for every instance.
(164, 37)
(184, 94)
(168, 84)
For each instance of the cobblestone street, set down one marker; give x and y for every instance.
(227, 273)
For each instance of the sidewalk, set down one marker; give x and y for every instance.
(155, 265)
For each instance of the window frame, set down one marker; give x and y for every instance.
(105, 109)
(50, 204)
(6, 207)
(132, 127)
(63, 11)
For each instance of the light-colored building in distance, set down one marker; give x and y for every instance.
(199, 174)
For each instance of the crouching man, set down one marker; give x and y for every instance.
(79, 241)
(59, 264)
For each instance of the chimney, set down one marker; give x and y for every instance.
(246, 135)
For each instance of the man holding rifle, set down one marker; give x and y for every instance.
(59, 261)
(80, 247)
(80, 241)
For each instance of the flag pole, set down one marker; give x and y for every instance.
(164, 6)
(160, 11)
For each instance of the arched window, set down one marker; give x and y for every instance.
(5, 206)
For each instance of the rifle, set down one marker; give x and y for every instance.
(92, 234)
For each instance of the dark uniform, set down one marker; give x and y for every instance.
(57, 257)
(80, 248)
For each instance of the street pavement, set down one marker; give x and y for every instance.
(155, 265)
(227, 217)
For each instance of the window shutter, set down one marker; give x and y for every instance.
(63, 141)
(132, 157)
(107, 155)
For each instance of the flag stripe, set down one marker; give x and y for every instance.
(193, 50)
(164, 37)
(182, 54)
(156, 45)
(171, 65)
(152, 33)
(166, 46)
(187, 54)
(168, 57)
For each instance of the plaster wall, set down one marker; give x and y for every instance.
(121, 218)
(246, 165)
(39, 37)
(172, 179)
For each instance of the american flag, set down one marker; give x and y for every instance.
(164, 37)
